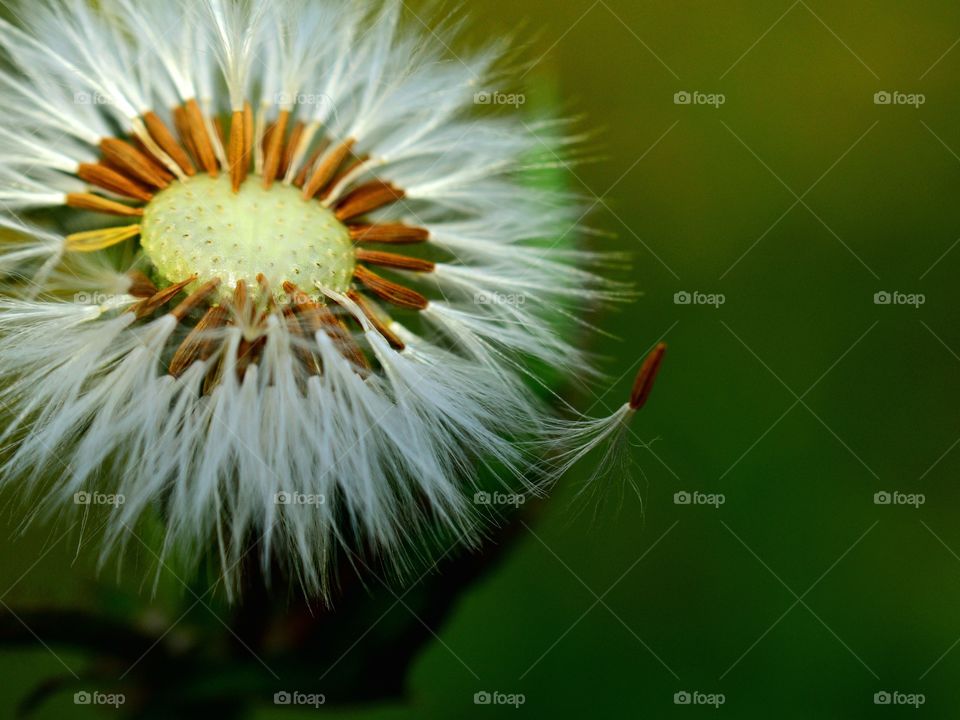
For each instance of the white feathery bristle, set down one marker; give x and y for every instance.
(568, 442)
(171, 40)
(236, 24)
(36, 151)
(28, 253)
(19, 191)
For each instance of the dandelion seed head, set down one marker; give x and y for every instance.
(301, 281)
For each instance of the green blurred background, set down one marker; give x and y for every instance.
(798, 399)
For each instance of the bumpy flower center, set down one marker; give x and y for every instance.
(201, 227)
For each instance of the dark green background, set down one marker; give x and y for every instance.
(688, 190)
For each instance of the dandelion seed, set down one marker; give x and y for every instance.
(572, 441)
(296, 358)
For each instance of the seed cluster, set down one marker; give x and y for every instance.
(203, 228)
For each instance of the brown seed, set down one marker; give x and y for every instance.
(643, 385)
(140, 285)
(151, 156)
(340, 176)
(263, 283)
(248, 353)
(198, 345)
(149, 306)
(390, 291)
(395, 233)
(266, 293)
(236, 152)
(182, 122)
(132, 161)
(267, 134)
(89, 201)
(310, 359)
(194, 299)
(240, 295)
(248, 128)
(109, 179)
(201, 139)
(168, 143)
(305, 170)
(295, 136)
(318, 317)
(274, 149)
(327, 168)
(381, 323)
(218, 128)
(393, 260)
(367, 198)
